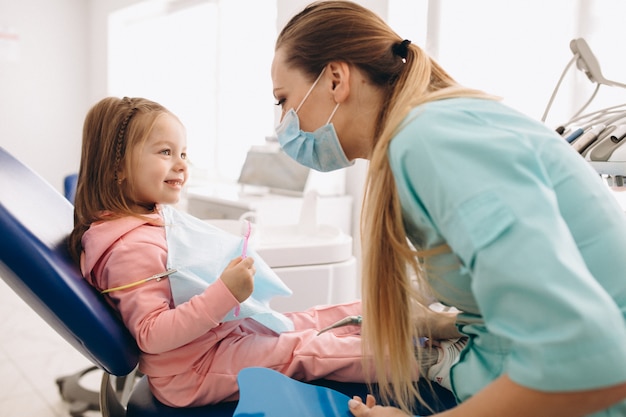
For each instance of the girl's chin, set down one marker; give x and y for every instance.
(170, 201)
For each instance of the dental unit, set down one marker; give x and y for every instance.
(599, 135)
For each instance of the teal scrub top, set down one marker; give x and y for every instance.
(537, 262)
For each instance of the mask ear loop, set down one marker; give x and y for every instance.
(332, 114)
(310, 90)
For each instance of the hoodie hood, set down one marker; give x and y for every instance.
(103, 234)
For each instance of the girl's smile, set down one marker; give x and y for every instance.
(160, 164)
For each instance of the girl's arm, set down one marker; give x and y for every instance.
(147, 309)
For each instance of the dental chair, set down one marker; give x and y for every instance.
(69, 186)
(35, 221)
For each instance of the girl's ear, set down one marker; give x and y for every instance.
(339, 73)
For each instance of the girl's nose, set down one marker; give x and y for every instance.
(181, 164)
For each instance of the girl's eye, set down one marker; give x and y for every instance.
(183, 155)
(166, 152)
(280, 102)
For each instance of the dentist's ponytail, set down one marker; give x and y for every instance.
(343, 31)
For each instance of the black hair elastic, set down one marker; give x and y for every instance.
(401, 48)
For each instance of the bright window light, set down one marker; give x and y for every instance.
(209, 63)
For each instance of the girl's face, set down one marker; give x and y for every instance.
(159, 165)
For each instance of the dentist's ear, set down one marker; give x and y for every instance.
(339, 73)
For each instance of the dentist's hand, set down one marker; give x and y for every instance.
(370, 409)
(239, 277)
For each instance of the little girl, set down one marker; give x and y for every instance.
(133, 165)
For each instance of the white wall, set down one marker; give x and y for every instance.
(287, 8)
(97, 18)
(43, 91)
(61, 71)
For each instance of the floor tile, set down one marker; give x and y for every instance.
(32, 357)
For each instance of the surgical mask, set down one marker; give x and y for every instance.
(319, 150)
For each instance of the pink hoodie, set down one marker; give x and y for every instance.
(190, 357)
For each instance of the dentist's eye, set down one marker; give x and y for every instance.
(280, 102)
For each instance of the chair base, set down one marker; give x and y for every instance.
(80, 399)
(143, 404)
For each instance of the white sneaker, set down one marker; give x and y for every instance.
(449, 352)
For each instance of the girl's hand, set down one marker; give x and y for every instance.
(437, 325)
(370, 409)
(239, 277)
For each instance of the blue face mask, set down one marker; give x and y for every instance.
(319, 150)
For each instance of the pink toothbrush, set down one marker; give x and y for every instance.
(246, 229)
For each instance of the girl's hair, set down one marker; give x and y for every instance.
(113, 128)
(344, 31)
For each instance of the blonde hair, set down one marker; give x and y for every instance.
(113, 128)
(344, 31)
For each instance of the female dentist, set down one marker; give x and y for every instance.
(473, 203)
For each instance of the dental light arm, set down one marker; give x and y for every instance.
(587, 63)
(599, 136)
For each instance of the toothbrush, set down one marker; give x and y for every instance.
(246, 229)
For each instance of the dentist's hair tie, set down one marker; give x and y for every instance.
(401, 49)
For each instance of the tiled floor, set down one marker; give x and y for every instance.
(32, 357)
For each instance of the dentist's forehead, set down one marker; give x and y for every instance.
(278, 68)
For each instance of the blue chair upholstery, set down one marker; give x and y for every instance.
(35, 221)
(265, 392)
(69, 186)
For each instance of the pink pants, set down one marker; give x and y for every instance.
(300, 354)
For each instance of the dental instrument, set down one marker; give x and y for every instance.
(157, 277)
(586, 62)
(603, 131)
(588, 137)
(347, 321)
(618, 134)
(574, 135)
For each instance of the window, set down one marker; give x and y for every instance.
(518, 49)
(208, 61)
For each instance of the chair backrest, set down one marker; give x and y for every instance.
(35, 221)
(69, 186)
